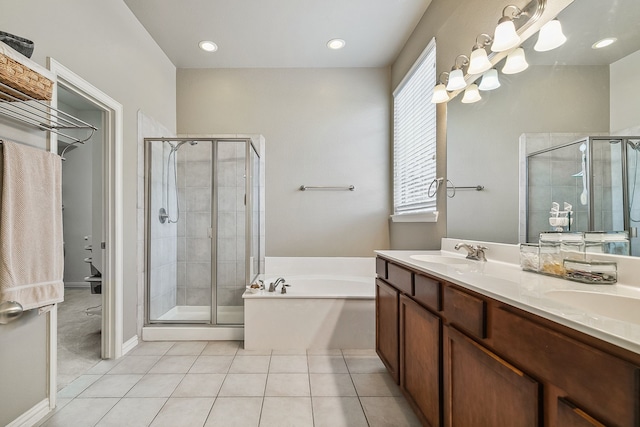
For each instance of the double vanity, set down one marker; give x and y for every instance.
(475, 343)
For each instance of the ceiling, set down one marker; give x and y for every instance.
(280, 33)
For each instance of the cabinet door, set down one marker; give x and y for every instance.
(569, 415)
(387, 326)
(481, 389)
(420, 343)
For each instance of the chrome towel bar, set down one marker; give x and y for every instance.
(327, 188)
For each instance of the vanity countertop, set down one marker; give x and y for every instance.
(616, 320)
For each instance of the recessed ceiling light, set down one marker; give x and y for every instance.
(604, 43)
(336, 44)
(208, 46)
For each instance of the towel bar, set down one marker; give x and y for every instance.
(320, 187)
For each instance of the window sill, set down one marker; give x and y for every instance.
(416, 217)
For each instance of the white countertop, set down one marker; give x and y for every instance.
(506, 282)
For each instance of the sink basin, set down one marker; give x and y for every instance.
(617, 307)
(441, 259)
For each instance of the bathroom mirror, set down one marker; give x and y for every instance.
(565, 94)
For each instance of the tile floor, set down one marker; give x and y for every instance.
(218, 383)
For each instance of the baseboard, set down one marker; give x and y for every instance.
(32, 416)
(129, 344)
(76, 285)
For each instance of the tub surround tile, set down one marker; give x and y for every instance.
(181, 412)
(288, 385)
(286, 411)
(332, 385)
(338, 412)
(132, 412)
(235, 412)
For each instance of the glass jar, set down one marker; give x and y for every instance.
(591, 272)
(607, 242)
(530, 257)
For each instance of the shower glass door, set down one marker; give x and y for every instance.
(633, 191)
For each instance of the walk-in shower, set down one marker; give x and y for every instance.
(203, 233)
(594, 180)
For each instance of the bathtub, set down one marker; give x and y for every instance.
(329, 304)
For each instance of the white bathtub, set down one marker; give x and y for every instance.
(330, 304)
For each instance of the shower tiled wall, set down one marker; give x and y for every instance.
(194, 225)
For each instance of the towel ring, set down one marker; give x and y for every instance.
(437, 182)
(453, 187)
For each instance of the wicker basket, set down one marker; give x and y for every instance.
(24, 79)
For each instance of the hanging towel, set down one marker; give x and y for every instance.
(31, 252)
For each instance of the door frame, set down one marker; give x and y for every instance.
(112, 282)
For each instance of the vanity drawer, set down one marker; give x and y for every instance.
(381, 268)
(427, 292)
(601, 384)
(465, 311)
(400, 278)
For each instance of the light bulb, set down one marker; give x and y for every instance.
(478, 62)
(490, 80)
(516, 62)
(471, 94)
(505, 36)
(456, 80)
(208, 46)
(550, 36)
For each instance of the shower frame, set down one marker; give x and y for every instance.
(588, 140)
(250, 200)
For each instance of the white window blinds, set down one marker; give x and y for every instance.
(414, 137)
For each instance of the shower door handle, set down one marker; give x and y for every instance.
(633, 232)
(210, 233)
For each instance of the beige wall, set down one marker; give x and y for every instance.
(625, 93)
(322, 127)
(104, 43)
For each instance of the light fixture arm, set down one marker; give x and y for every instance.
(443, 77)
(517, 13)
(482, 40)
(458, 65)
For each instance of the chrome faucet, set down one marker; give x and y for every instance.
(274, 285)
(473, 252)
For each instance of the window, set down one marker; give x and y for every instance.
(414, 138)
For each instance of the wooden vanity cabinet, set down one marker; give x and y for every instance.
(464, 359)
(420, 360)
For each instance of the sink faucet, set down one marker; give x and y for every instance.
(473, 252)
(274, 285)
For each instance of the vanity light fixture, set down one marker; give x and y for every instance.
(479, 62)
(456, 76)
(471, 94)
(440, 94)
(336, 44)
(604, 43)
(516, 62)
(505, 36)
(208, 46)
(490, 80)
(550, 36)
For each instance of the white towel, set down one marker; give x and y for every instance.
(31, 252)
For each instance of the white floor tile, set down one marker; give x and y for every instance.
(324, 352)
(286, 412)
(133, 412)
(104, 366)
(81, 413)
(375, 385)
(359, 352)
(338, 412)
(235, 412)
(244, 385)
(111, 386)
(291, 352)
(186, 348)
(151, 348)
(211, 365)
(199, 385)
(134, 365)
(288, 385)
(156, 385)
(173, 365)
(365, 364)
(180, 412)
(332, 385)
(294, 364)
(243, 352)
(79, 385)
(221, 348)
(388, 412)
(250, 365)
(327, 365)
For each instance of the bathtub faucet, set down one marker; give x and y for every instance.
(274, 285)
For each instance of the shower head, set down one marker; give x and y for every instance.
(634, 145)
(176, 147)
